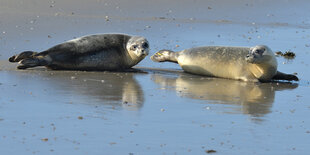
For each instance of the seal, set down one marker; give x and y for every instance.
(93, 52)
(241, 63)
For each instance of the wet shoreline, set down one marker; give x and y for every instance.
(161, 110)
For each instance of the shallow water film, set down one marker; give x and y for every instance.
(159, 109)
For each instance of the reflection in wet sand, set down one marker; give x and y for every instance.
(255, 99)
(94, 88)
(115, 89)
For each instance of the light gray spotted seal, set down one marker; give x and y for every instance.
(241, 63)
(93, 52)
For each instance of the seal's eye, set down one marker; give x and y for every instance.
(259, 51)
(145, 45)
(134, 46)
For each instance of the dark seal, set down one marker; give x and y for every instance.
(94, 52)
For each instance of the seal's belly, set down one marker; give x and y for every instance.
(100, 61)
(214, 68)
(216, 61)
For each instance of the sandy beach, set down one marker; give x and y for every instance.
(161, 109)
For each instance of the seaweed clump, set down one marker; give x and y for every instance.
(288, 54)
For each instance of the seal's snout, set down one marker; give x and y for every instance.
(144, 52)
(250, 58)
(144, 48)
(145, 45)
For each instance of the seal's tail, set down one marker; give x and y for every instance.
(28, 59)
(21, 56)
(164, 55)
(31, 62)
(284, 76)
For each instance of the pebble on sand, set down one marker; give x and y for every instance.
(44, 139)
(210, 151)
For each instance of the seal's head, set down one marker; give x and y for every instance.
(263, 62)
(259, 54)
(138, 46)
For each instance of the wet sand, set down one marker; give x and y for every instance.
(160, 110)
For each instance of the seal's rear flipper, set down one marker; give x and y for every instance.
(164, 55)
(21, 56)
(31, 62)
(283, 76)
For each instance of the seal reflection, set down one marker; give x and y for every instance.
(255, 99)
(113, 89)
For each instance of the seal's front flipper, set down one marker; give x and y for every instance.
(283, 76)
(31, 62)
(164, 55)
(21, 56)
